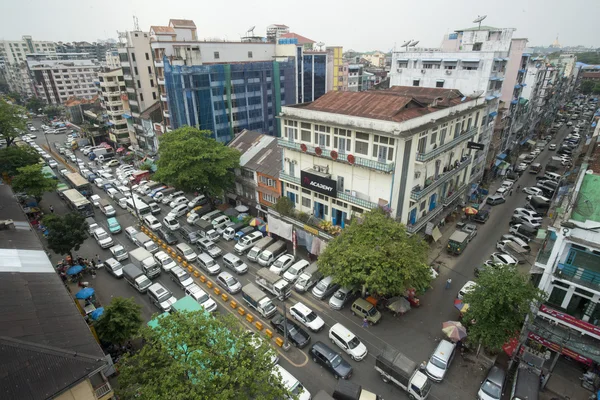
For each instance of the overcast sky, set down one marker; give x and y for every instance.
(355, 24)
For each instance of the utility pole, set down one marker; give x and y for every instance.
(286, 345)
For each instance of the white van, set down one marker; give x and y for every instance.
(247, 241)
(220, 221)
(291, 383)
(440, 360)
(210, 216)
(348, 342)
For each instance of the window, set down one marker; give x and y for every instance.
(383, 148)
(141, 97)
(433, 136)
(135, 70)
(133, 57)
(305, 131)
(216, 55)
(139, 84)
(322, 136)
(249, 54)
(416, 82)
(477, 46)
(153, 95)
(422, 205)
(147, 56)
(305, 202)
(361, 144)
(470, 67)
(402, 64)
(269, 198)
(340, 183)
(443, 134)
(342, 140)
(291, 130)
(431, 66)
(422, 145)
(439, 84)
(149, 69)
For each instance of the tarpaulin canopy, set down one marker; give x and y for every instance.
(279, 228)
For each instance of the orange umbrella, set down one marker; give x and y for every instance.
(470, 210)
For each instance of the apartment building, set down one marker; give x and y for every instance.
(405, 149)
(54, 81)
(473, 61)
(275, 31)
(337, 70)
(95, 50)
(113, 99)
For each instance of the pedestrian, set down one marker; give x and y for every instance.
(448, 282)
(365, 323)
(93, 264)
(510, 193)
(98, 260)
(51, 209)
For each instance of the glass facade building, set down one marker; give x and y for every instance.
(312, 75)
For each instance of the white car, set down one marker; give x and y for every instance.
(119, 252)
(53, 164)
(112, 163)
(192, 218)
(152, 222)
(178, 201)
(95, 199)
(521, 167)
(282, 264)
(99, 182)
(502, 191)
(503, 259)
(307, 317)
(103, 238)
(542, 198)
(533, 191)
(507, 184)
(197, 201)
(165, 261)
(526, 212)
(32, 129)
(109, 211)
(111, 192)
(86, 150)
(64, 171)
(552, 147)
(179, 210)
(171, 222)
(170, 197)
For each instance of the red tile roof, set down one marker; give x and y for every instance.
(301, 39)
(163, 30)
(182, 23)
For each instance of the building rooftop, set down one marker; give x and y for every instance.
(35, 372)
(398, 104)
(587, 207)
(301, 39)
(182, 23)
(162, 30)
(146, 114)
(244, 140)
(252, 145)
(267, 161)
(479, 28)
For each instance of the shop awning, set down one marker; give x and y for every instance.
(493, 114)
(523, 84)
(402, 59)
(489, 98)
(493, 78)
(439, 80)
(497, 59)
(514, 101)
(504, 165)
(501, 156)
(517, 86)
(498, 162)
(526, 55)
(432, 60)
(125, 115)
(522, 71)
(470, 60)
(524, 140)
(448, 60)
(506, 58)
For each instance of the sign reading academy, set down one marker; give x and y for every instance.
(475, 146)
(319, 184)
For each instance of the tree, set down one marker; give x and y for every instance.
(34, 104)
(197, 356)
(284, 206)
(11, 123)
(31, 180)
(498, 305)
(376, 253)
(120, 321)
(191, 160)
(52, 111)
(587, 87)
(14, 157)
(66, 233)
(596, 89)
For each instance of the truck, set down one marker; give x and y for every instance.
(143, 259)
(207, 230)
(97, 152)
(553, 165)
(346, 390)
(258, 247)
(273, 283)
(268, 256)
(229, 232)
(142, 240)
(258, 300)
(457, 242)
(395, 367)
(242, 232)
(136, 278)
(139, 176)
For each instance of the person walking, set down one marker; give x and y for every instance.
(51, 209)
(448, 282)
(98, 260)
(365, 323)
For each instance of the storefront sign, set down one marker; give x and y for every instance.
(312, 230)
(563, 350)
(475, 145)
(586, 326)
(319, 184)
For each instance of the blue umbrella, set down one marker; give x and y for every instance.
(85, 293)
(74, 270)
(97, 313)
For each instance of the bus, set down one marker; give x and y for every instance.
(77, 202)
(78, 182)
(135, 203)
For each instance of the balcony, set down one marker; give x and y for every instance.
(133, 102)
(160, 81)
(163, 98)
(455, 195)
(289, 178)
(116, 103)
(424, 157)
(342, 157)
(128, 77)
(424, 219)
(115, 112)
(418, 193)
(109, 84)
(165, 114)
(578, 275)
(125, 64)
(159, 64)
(130, 90)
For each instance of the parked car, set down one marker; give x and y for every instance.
(178, 210)
(228, 282)
(296, 335)
(503, 258)
(307, 317)
(495, 200)
(178, 201)
(167, 235)
(330, 360)
(152, 222)
(533, 191)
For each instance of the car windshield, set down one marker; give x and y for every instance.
(278, 263)
(438, 363)
(102, 235)
(340, 295)
(372, 311)
(321, 286)
(336, 360)
(167, 260)
(184, 277)
(237, 263)
(293, 271)
(188, 252)
(311, 316)
(203, 299)
(354, 343)
(231, 281)
(491, 389)
(298, 389)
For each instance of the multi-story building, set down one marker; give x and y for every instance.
(95, 50)
(113, 98)
(141, 86)
(337, 70)
(13, 55)
(567, 268)
(376, 59)
(274, 31)
(355, 77)
(151, 120)
(257, 180)
(54, 81)
(472, 61)
(404, 149)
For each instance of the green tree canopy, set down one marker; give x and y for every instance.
(66, 232)
(31, 180)
(11, 123)
(196, 356)
(498, 305)
(191, 160)
(591, 57)
(35, 104)
(587, 87)
(376, 253)
(284, 206)
(120, 321)
(52, 111)
(596, 89)
(14, 157)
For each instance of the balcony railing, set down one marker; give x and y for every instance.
(455, 195)
(165, 114)
(161, 81)
(424, 219)
(163, 97)
(417, 194)
(581, 276)
(289, 178)
(159, 64)
(423, 157)
(342, 157)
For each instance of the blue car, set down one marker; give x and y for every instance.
(113, 225)
(108, 186)
(92, 177)
(157, 190)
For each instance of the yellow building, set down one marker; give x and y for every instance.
(338, 71)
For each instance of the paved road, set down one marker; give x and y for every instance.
(415, 333)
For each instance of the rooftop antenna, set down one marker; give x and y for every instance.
(136, 24)
(479, 19)
(320, 44)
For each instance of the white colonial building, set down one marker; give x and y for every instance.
(406, 149)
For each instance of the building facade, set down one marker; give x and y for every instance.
(403, 149)
(95, 50)
(114, 102)
(274, 31)
(337, 70)
(472, 61)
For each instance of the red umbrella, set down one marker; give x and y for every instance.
(510, 346)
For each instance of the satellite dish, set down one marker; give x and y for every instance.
(479, 19)
(413, 44)
(406, 43)
(320, 44)
(476, 94)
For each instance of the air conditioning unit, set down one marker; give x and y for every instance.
(448, 72)
(422, 71)
(324, 169)
(399, 70)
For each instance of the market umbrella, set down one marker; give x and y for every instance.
(231, 212)
(256, 222)
(454, 330)
(263, 228)
(85, 293)
(242, 208)
(510, 346)
(462, 307)
(97, 313)
(470, 210)
(74, 270)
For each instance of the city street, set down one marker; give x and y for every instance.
(415, 333)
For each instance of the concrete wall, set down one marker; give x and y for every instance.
(138, 43)
(514, 64)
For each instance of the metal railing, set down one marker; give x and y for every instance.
(424, 219)
(457, 193)
(422, 157)
(102, 390)
(417, 195)
(289, 178)
(581, 276)
(342, 157)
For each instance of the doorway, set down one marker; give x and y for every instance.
(338, 217)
